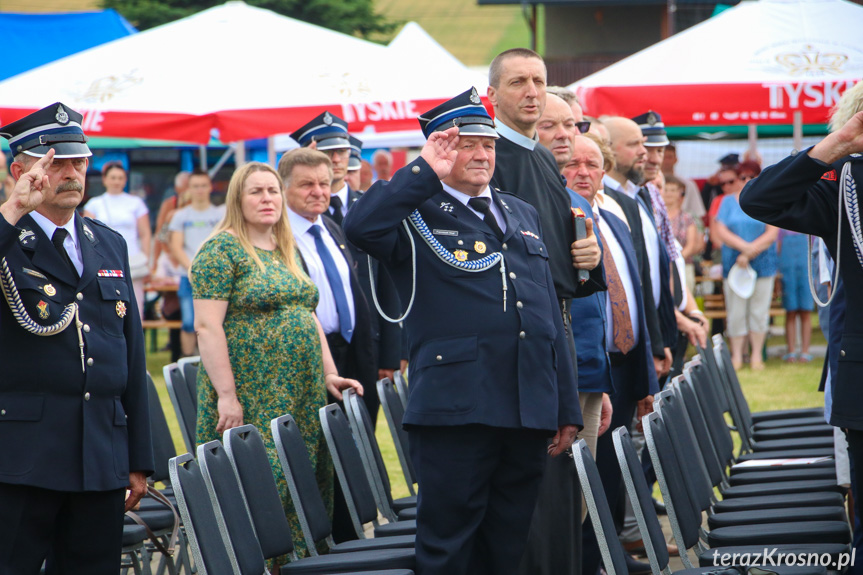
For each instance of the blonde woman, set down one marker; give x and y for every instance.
(263, 351)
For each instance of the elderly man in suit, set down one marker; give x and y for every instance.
(74, 421)
(491, 375)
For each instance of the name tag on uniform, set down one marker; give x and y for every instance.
(110, 273)
(445, 232)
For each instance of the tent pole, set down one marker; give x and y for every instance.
(225, 157)
(202, 157)
(798, 130)
(271, 151)
(239, 153)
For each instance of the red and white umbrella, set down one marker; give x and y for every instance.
(756, 63)
(236, 72)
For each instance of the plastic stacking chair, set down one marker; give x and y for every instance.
(232, 511)
(189, 366)
(402, 387)
(185, 404)
(686, 501)
(300, 475)
(648, 522)
(361, 426)
(394, 410)
(359, 495)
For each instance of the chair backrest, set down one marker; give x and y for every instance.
(207, 535)
(709, 360)
(349, 467)
(721, 348)
(370, 453)
(184, 406)
(189, 366)
(684, 519)
(302, 483)
(703, 438)
(705, 393)
(394, 410)
(642, 500)
(163, 443)
(724, 386)
(597, 507)
(230, 502)
(682, 436)
(248, 454)
(402, 387)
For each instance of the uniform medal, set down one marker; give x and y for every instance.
(460, 255)
(49, 290)
(43, 309)
(121, 308)
(479, 247)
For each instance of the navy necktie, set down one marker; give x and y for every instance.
(336, 204)
(57, 239)
(483, 206)
(335, 281)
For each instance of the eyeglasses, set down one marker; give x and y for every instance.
(583, 127)
(727, 182)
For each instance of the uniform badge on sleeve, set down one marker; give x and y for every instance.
(121, 308)
(460, 255)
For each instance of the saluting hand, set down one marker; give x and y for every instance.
(440, 153)
(29, 190)
(586, 254)
(846, 140)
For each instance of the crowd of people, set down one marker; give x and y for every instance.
(535, 272)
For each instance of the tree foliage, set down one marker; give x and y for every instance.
(355, 17)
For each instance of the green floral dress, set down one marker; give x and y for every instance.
(275, 354)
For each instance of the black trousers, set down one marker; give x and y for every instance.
(855, 452)
(606, 461)
(477, 490)
(77, 532)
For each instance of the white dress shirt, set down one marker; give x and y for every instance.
(73, 248)
(515, 137)
(622, 266)
(326, 310)
(486, 193)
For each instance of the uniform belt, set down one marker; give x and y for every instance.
(616, 358)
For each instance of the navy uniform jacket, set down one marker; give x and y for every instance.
(387, 336)
(649, 385)
(800, 194)
(62, 428)
(471, 362)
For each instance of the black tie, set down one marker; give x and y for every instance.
(483, 206)
(57, 239)
(336, 204)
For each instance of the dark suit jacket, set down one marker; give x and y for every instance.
(801, 194)
(472, 361)
(63, 427)
(648, 385)
(362, 343)
(630, 208)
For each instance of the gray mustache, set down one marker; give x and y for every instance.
(70, 187)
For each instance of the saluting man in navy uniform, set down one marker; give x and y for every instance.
(74, 425)
(491, 376)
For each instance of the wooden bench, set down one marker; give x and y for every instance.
(161, 324)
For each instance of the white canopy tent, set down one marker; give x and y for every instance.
(757, 63)
(236, 72)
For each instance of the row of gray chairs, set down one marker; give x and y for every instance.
(230, 504)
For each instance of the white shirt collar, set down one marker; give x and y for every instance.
(463, 197)
(300, 225)
(514, 137)
(48, 226)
